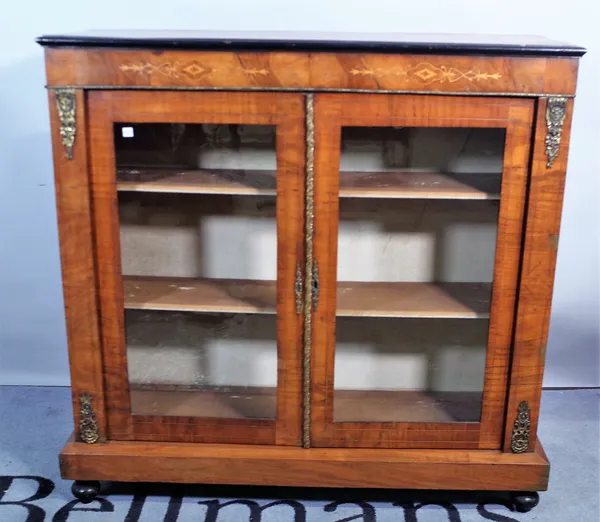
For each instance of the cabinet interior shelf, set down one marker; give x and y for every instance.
(354, 299)
(248, 402)
(224, 402)
(418, 300)
(398, 184)
(185, 181)
(200, 295)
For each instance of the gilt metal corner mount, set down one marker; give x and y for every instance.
(556, 111)
(88, 427)
(65, 105)
(519, 442)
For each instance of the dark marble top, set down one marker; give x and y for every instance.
(318, 41)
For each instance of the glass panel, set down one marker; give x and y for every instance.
(416, 245)
(199, 270)
(207, 365)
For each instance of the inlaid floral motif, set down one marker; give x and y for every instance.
(192, 70)
(254, 72)
(175, 70)
(428, 73)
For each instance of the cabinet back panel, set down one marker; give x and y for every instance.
(181, 235)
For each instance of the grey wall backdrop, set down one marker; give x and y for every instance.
(32, 334)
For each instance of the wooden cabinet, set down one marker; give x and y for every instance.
(316, 262)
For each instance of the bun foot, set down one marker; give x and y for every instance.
(525, 501)
(85, 491)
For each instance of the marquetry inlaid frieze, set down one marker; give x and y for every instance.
(428, 73)
(469, 75)
(191, 70)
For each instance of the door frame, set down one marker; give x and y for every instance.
(286, 112)
(331, 113)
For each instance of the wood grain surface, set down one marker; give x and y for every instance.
(333, 111)
(314, 467)
(407, 439)
(285, 111)
(219, 402)
(405, 406)
(355, 299)
(181, 181)
(77, 261)
(544, 207)
(252, 402)
(392, 299)
(388, 185)
(296, 70)
(200, 295)
(419, 185)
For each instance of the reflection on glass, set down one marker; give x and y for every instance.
(199, 271)
(416, 246)
(202, 365)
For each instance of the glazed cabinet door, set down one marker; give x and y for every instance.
(418, 222)
(198, 216)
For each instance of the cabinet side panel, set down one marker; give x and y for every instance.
(77, 258)
(537, 275)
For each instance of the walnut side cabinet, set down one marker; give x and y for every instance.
(325, 261)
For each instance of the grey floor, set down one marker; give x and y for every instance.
(34, 423)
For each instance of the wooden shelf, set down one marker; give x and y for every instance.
(222, 402)
(182, 181)
(425, 300)
(419, 185)
(245, 402)
(406, 406)
(354, 299)
(200, 295)
(400, 185)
